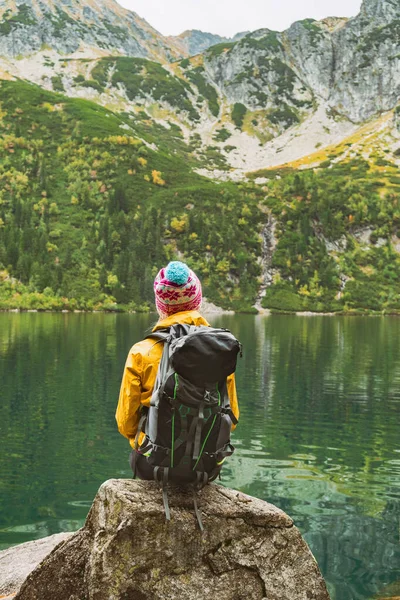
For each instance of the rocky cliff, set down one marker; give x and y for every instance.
(194, 41)
(261, 99)
(351, 65)
(66, 26)
(127, 551)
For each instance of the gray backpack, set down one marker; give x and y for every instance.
(188, 425)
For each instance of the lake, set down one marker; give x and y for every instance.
(318, 435)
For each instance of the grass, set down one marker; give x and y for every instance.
(362, 140)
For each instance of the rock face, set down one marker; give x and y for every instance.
(127, 551)
(194, 41)
(17, 562)
(67, 25)
(348, 67)
(352, 65)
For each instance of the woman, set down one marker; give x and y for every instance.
(178, 297)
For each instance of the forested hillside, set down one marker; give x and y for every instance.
(88, 212)
(93, 202)
(269, 162)
(337, 238)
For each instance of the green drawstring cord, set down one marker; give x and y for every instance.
(173, 421)
(209, 432)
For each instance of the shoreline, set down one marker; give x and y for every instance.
(265, 312)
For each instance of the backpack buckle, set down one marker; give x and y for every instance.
(183, 410)
(207, 396)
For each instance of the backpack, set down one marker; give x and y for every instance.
(188, 424)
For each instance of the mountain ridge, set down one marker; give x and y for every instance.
(105, 156)
(242, 96)
(32, 25)
(104, 24)
(195, 41)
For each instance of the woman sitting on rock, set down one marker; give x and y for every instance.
(179, 425)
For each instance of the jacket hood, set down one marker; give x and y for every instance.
(190, 317)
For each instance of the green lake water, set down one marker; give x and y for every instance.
(318, 435)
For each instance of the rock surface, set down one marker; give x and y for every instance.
(17, 562)
(68, 26)
(127, 551)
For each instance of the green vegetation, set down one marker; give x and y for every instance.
(222, 135)
(315, 32)
(268, 42)
(92, 203)
(286, 78)
(206, 89)
(79, 79)
(143, 78)
(60, 20)
(322, 260)
(16, 295)
(378, 36)
(92, 83)
(285, 115)
(88, 213)
(57, 83)
(272, 81)
(219, 49)
(118, 32)
(238, 114)
(23, 16)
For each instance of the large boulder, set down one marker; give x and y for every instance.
(250, 550)
(18, 561)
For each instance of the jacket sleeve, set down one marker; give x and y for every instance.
(128, 408)
(233, 397)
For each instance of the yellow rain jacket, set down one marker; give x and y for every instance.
(140, 376)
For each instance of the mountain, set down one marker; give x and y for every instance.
(68, 26)
(103, 26)
(351, 65)
(105, 155)
(92, 201)
(194, 41)
(261, 99)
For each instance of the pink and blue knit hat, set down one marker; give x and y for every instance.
(177, 288)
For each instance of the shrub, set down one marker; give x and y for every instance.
(57, 83)
(222, 135)
(283, 298)
(238, 114)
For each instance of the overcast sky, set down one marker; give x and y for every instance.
(227, 17)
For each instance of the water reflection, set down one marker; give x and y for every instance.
(318, 432)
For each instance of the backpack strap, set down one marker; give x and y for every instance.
(201, 481)
(161, 335)
(161, 476)
(199, 428)
(197, 511)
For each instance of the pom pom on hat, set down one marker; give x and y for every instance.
(177, 272)
(177, 289)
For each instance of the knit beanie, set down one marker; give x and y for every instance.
(177, 289)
